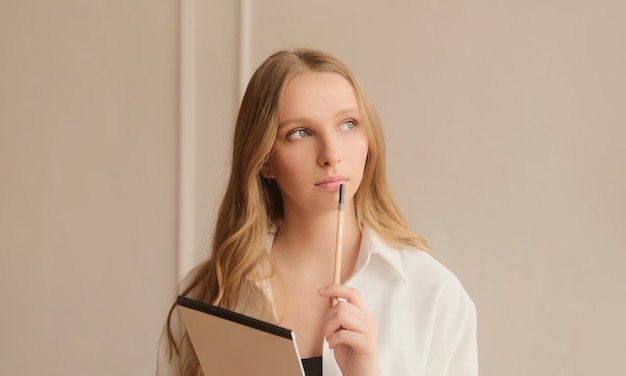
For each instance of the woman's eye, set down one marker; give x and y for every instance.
(298, 133)
(347, 125)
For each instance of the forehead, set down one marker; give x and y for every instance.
(315, 94)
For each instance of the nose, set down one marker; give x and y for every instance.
(330, 150)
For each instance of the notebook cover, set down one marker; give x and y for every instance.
(229, 343)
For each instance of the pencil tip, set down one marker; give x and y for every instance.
(342, 192)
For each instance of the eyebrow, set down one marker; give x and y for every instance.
(350, 110)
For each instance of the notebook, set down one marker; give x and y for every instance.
(229, 343)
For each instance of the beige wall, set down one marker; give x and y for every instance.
(88, 184)
(504, 124)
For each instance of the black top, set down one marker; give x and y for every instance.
(312, 366)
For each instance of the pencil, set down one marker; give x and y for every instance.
(338, 247)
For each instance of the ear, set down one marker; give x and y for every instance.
(266, 171)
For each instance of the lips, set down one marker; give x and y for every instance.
(332, 183)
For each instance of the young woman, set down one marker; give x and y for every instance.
(304, 127)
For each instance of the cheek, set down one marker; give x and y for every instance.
(361, 150)
(285, 164)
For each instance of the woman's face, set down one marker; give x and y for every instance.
(320, 142)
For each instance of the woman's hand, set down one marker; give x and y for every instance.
(351, 332)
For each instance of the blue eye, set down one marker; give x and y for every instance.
(347, 125)
(298, 133)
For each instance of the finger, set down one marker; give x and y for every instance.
(346, 316)
(357, 341)
(343, 292)
(363, 344)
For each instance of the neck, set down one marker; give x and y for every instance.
(309, 239)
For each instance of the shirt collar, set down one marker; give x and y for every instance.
(372, 244)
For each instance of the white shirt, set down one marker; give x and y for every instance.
(426, 320)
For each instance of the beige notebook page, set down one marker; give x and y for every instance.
(227, 348)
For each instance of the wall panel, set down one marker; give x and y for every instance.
(88, 184)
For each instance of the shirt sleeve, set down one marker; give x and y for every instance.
(454, 346)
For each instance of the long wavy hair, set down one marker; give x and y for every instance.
(252, 205)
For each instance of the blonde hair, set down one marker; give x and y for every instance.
(252, 205)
